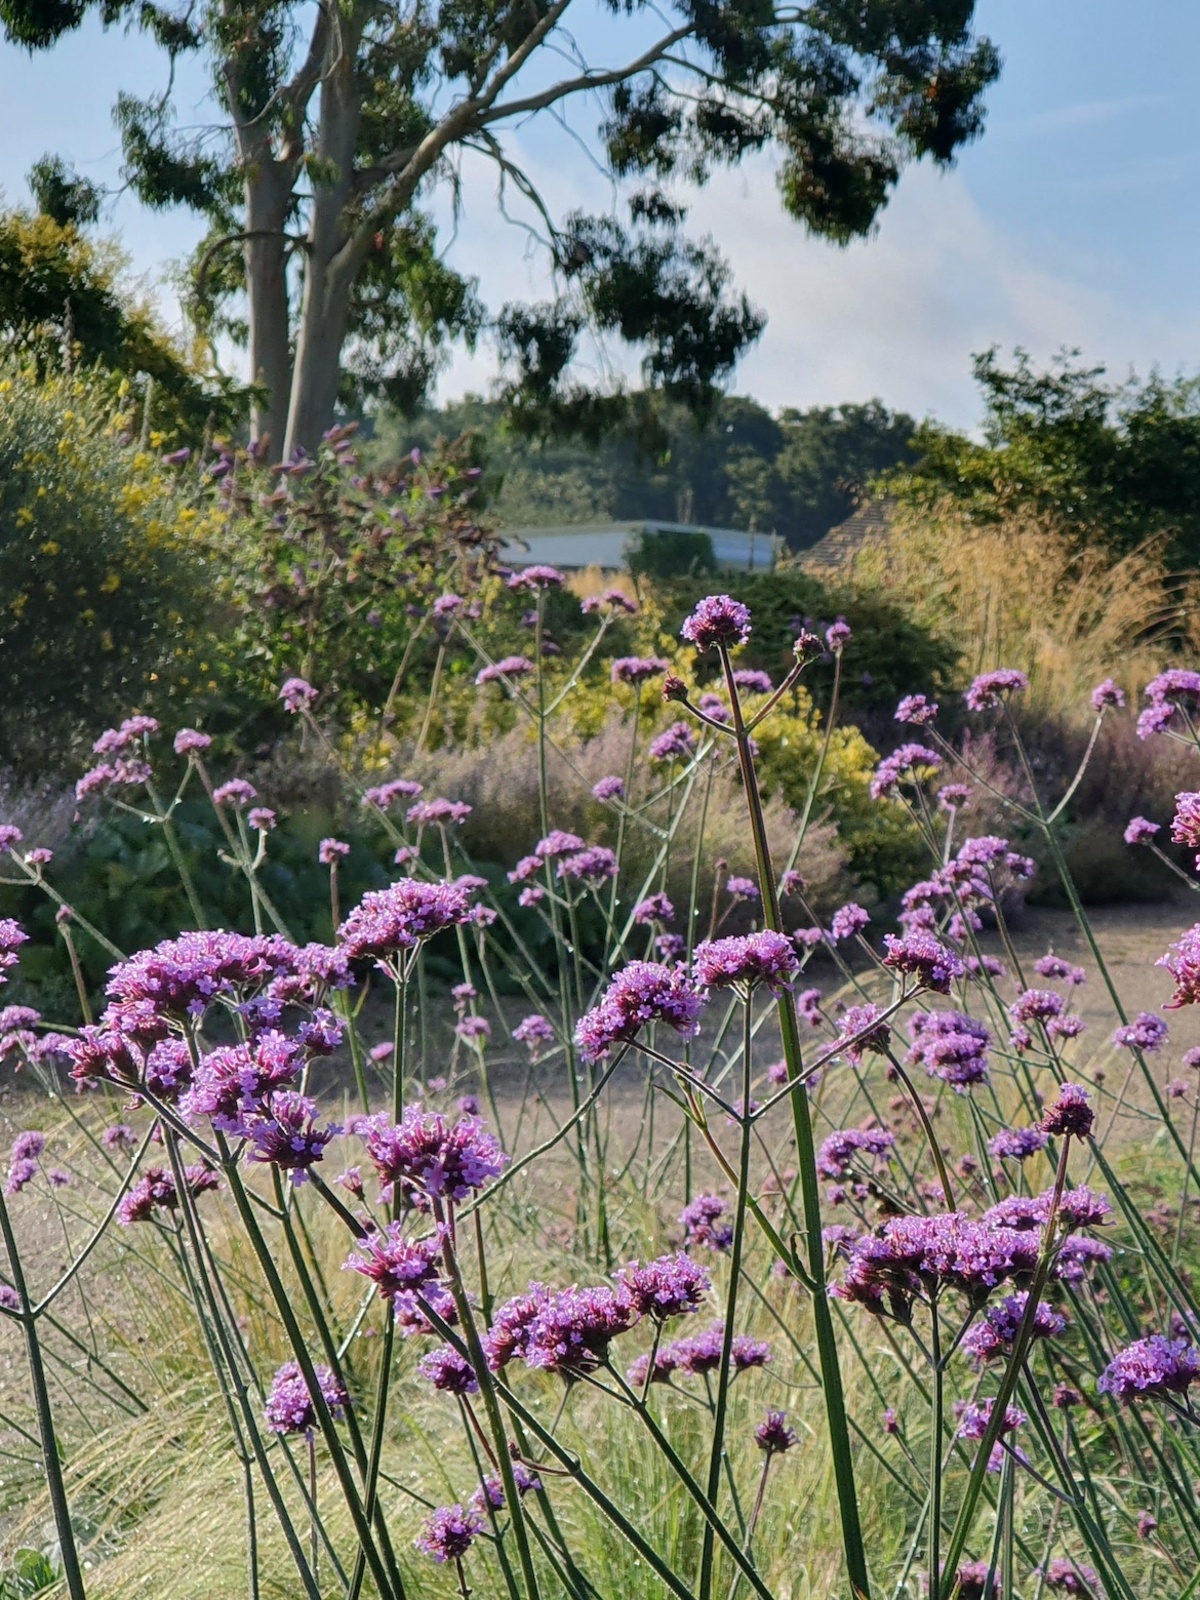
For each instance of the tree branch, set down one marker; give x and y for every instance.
(226, 239)
(585, 81)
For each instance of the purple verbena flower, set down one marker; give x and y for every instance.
(916, 709)
(290, 1407)
(847, 921)
(448, 1371)
(155, 1191)
(1147, 1032)
(925, 958)
(765, 957)
(668, 1287)
(397, 1264)
(949, 1046)
(537, 576)
(1182, 961)
(995, 1333)
(399, 917)
(773, 1434)
(1055, 968)
(1066, 1577)
(637, 669)
(1151, 1369)
(678, 743)
(1070, 1114)
(594, 865)
(655, 908)
(1107, 694)
(717, 620)
(427, 1152)
(285, 1134)
(863, 1030)
(706, 1220)
(1037, 1005)
(534, 1032)
(904, 763)
(437, 812)
(449, 1533)
(237, 793)
(835, 1158)
(297, 695)
(642, 992)
(509, 667)
(1018, 1144)
(987, 689)
(1185, 825)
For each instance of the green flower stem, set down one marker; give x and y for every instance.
(491, 1404)
(390, 1588)
(705, 1585)
(227, 1371)
(806, 1160)
(1008, 1381)
(55, 1484)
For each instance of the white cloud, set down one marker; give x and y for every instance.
(897, 315)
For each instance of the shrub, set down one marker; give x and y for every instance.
(100, 594)
(667, 552)
(892, 646)
(329, 573)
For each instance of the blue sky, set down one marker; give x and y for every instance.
(1073, 221)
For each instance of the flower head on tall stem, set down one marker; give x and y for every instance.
(668, 1287)
(641, 993)
(989, 688)
(297, 694)
(749, 959)
(707, 1221)
(428, 1152)
(1182, 961)
(773, 1434)
(717, 620)
(290, 1407)
(449, 1533)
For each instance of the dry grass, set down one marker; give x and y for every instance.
(1020, 593)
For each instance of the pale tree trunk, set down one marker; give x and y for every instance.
(265, 250)
(331, 262)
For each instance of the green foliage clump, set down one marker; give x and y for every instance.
(98, 596)
(329, 574)
(882, 846)
(63, 303)
(796, 475)
(1117, 464)
(888, 653)
(667, 551)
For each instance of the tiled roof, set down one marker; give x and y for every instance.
(867, 525)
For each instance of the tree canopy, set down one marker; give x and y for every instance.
(1116, 463)
(339, 124)
(797, 474)
(64, 302)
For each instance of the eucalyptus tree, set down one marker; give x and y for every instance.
(337, 121)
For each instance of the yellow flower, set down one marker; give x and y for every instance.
(51, 547)
(18, 603)
(111, 584)
(24, 517)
